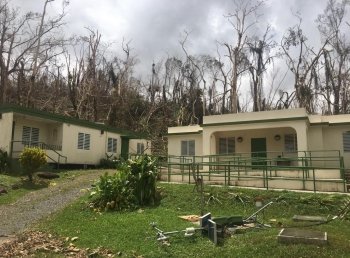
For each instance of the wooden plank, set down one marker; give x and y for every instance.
(309, 218)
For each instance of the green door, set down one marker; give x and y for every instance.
(258, 150)
(125, 148)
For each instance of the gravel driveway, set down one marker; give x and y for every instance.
(36, 205)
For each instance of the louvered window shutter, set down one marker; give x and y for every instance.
(346, 141)
(26, 135)
(80, 141)
(110, 145)
(87, 142)
(35, 135)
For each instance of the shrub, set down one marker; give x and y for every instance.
(112, 192)
(4, 161)
(143, 177)
(133, 185)
(31, 159)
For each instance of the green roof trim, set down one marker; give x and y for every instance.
(258, 121)
(68, 120)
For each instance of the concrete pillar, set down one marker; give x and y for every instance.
(302, 139)
(207, 142)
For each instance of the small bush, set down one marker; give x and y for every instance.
(31, 159)
(4, 161)
(143, 177)
(133, 185)
(112, 192)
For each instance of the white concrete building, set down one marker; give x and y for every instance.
(281, 137)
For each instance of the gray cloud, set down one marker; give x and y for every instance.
(155, 26)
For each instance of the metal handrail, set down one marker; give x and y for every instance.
(40, 145)
(234, 166)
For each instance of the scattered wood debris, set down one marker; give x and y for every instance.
(30, 243)
(191, 218)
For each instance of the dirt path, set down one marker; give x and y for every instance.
(36, 205)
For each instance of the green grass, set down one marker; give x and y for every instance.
(23, 186)
(131, 234)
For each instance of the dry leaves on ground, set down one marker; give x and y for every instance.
(30, 243)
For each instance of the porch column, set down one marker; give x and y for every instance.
(207, 142)
(302, 141)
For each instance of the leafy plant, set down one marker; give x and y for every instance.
(4, 160)
(133, 185)
(31, 159)
(112, 192)
(143, 177)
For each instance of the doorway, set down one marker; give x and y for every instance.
(258, 151)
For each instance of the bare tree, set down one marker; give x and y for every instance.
(242, 19)
(302, 65)
(260, 50)
(336, 56)
(25, 45)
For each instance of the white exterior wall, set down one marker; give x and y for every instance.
(98, 144)
(46, 132)
(321, 135)
(333, 140)
(248, 131)
(119, 144)
(315, 138)
(247, 135)
(133, 146)
(6, 131)
(174, 143)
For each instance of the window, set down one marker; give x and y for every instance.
(188, 148)
(346, 141)
(290, 142)
(112, 145)
(30, 135)
(227, 145)
(140, 148)
(83, 141)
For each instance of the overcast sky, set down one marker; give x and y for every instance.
(155, 26)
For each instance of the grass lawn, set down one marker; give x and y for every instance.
(131, 234)
(17, 187)
(22, 186)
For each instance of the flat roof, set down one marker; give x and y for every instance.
(189, 129)
(256, 117)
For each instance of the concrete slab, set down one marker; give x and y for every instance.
(302, 236)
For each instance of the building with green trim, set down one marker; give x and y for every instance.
(65, 139)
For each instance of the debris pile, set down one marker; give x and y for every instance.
(30, 243)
